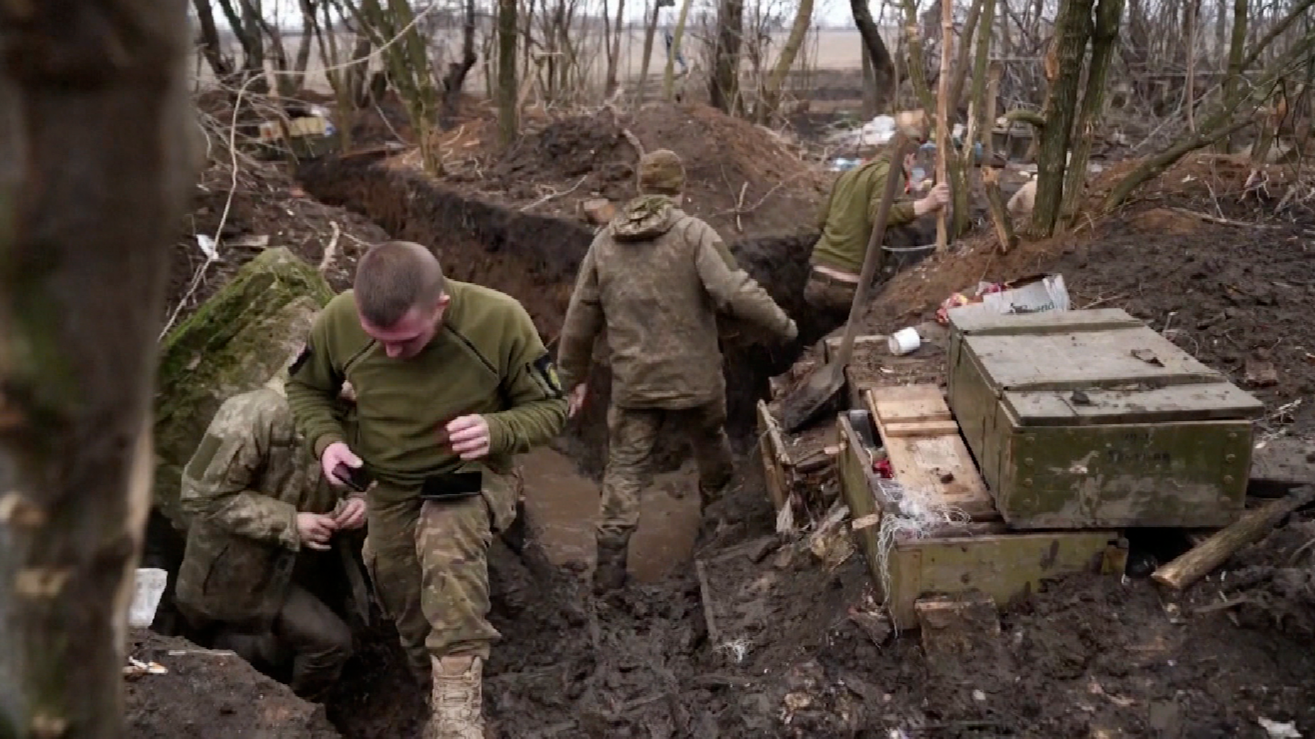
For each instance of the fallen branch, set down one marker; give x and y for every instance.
(705, 591)
(1004, 225)
(330, 251)
(1035, 119)
(1216, 219)
(1251, 527)
(552, 195)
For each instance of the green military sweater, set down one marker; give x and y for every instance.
(487, 358)
(847, 216)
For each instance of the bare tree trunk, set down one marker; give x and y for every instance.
(944, 146)
(725, 83)
(677, 37)
(771, 96)
(1072, 29)
(883, 67)
(86, 215)
(1189, 94)
(978, 126)
(614, 44)
(1104, 42)
(1221, 33)
(961, 65)
(1235, 69)
(870, 109)
(211, 47)
(650, 31)
(508, 123)
(455, 79)
(993, 75)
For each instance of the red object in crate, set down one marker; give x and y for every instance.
(883, 468)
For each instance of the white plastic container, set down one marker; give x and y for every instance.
(905, 341)
(148, 587)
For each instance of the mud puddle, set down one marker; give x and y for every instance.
(562, 506)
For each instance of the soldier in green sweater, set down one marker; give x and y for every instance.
(846, 222)
(451, 381)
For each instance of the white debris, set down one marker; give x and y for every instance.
(1277, 730)
(979, 696)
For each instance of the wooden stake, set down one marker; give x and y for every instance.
(1200, 561)
(943, 143)
(1004, 225)
(995, 71)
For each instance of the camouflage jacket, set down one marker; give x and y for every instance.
(242, 491)
(656, 279)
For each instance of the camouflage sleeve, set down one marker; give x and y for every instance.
(217, 480)
(734, 292)
(537, 404)
(580, 328)
(900, 212)
(313, 386)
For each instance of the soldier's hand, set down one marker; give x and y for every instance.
(335, 454)
(315, 530)
(469, 436)
(936, 199)
(576, 399)
(352, 515)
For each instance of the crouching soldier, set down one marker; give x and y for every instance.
(259, 511)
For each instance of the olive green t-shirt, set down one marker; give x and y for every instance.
(846, 217)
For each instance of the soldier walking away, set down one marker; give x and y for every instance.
(846, 222)
(656, 279)
(259, 512)
(451, 381)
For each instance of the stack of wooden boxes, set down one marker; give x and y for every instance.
(1057, 431)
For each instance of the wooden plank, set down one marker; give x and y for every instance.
(939, 467)
(985, 323)
(772, 449)
(921, 428)
(912, 404)
(1086, 360)
(1198, 402)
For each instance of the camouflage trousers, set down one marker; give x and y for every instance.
(631, 436)
(428, 562)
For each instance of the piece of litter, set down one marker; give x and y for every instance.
(207, 245)
(1277, 730)
(979, 696)
(136, 668)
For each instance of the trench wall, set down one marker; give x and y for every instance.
(535, 259)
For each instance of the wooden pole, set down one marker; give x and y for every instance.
(98, 147)
(943, 143)
(995, 71)
(1251, 527)
(1004, 225)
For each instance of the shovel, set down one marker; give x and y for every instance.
(809, 399)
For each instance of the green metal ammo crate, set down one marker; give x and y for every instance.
(1087, 419)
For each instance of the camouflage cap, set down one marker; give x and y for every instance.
(661, 173)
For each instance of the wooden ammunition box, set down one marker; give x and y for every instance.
(1087, 419)
(955, 558)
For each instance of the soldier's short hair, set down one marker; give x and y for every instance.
(394, 277)
(661, 173)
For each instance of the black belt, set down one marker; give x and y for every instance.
(452, 486)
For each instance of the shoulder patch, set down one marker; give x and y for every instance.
(547, 373)
(301, 360)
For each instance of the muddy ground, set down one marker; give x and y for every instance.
(789, 651)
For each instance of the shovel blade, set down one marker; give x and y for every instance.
(812, 397)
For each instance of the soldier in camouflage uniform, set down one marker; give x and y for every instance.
(656, 279)
(259, 508)
(452, 381)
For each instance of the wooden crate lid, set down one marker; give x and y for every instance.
(1084, 360)
(1197, 402)
(981, 322)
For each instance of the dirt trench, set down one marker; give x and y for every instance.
(535, 259)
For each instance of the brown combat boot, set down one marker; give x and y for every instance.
(610, 572)
(456, 699)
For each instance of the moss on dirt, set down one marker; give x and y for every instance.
(235, 342)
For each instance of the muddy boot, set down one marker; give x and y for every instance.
(456, 699)
(610, 572)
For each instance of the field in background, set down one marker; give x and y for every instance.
(827, 49)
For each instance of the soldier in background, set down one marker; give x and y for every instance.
(846, 220)
(260, 511)
(656, 278)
